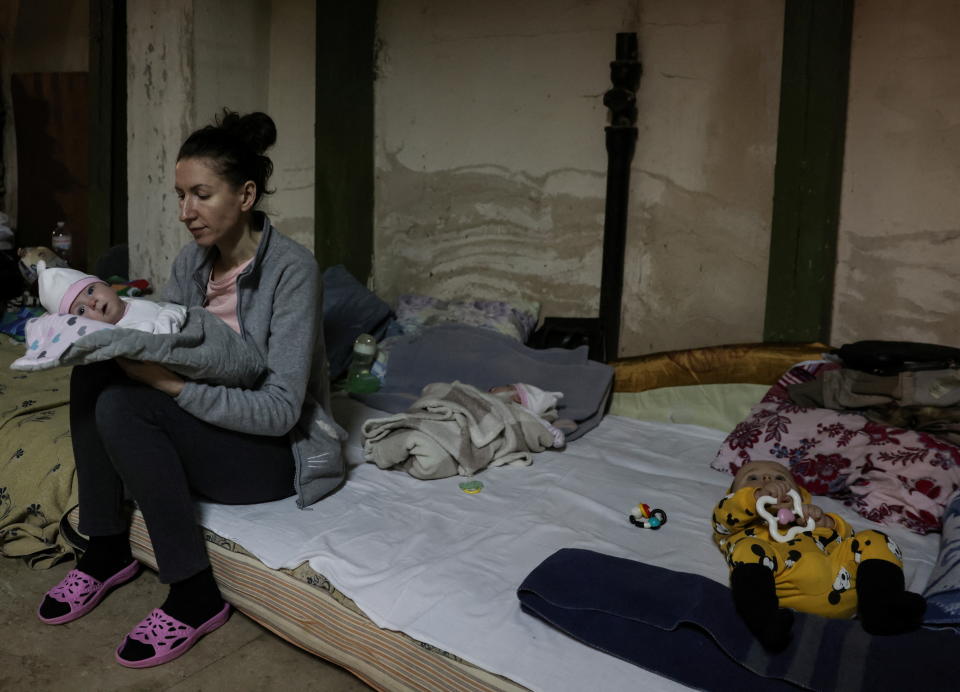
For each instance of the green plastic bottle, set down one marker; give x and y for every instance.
(359, 378)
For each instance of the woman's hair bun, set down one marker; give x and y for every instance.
(236, 144)
(257, 130)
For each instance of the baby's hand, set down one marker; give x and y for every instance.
(775, 489)
(820, 518)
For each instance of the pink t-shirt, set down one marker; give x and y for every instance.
(222, 296)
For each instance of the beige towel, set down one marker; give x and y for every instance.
(454, 429)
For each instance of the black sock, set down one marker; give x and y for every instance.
(755, 598)
(195, 599)
(105, 556)
(192, 601)
(883, 603)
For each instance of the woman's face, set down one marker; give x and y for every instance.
(211, 208)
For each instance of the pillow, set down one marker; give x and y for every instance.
(887, 474)
(516, 320)
(717, 406)
(349, 310)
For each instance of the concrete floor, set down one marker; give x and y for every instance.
(241, 655)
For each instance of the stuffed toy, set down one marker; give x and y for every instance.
(29, 256)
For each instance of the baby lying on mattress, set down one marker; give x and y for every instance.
(455, 428)
(819, 566)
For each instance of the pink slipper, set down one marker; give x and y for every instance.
(169, 637)
(82, 592)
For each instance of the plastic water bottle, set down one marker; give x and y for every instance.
(359, 378)
(61, 241)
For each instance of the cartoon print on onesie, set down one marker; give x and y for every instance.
(824, 541)
(855, 551)
(841, 583)
(822, 571)
(768, 561)
(893, 547)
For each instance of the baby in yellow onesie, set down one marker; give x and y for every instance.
(830, 570)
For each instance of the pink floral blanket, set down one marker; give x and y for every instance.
(887, 474)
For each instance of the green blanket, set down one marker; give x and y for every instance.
(37, 479)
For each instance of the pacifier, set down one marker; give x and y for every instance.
(784, 516)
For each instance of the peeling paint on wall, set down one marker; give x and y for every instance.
(491, 164)
(901, 287)
(158, 112)
(698, 269)
(898, 269)
(489, 232)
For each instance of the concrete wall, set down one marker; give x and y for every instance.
(491, 164)
(490, 161)
(292, 105)
(699, 234)
(231, 57)
(160, 95)
(898, 271)
(187, 60)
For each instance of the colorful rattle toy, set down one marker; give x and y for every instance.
(784, 517)
(646, 518)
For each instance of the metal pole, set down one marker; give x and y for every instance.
(621, 138)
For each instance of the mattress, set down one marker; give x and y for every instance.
(411, 584)
(304, 608)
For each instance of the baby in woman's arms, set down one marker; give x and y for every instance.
(828, 570)
(79, 304)
(68, 291)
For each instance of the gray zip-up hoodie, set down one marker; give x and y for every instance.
(279, 306)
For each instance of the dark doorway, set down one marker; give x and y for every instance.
(50, 115)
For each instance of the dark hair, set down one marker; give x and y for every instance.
(235, 143)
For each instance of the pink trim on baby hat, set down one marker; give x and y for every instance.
(73, 291)
(522, 393)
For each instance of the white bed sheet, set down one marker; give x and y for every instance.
(443, 566)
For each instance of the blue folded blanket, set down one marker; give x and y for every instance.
(484, 358)
(684, 627)
(943, 589)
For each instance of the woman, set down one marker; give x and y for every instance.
(142, 428)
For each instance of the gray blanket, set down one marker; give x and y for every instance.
(455, 429)
(205, 350)
(484, 358)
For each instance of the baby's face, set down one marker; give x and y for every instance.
(98, 302)
(756, 474)
(506, 388)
